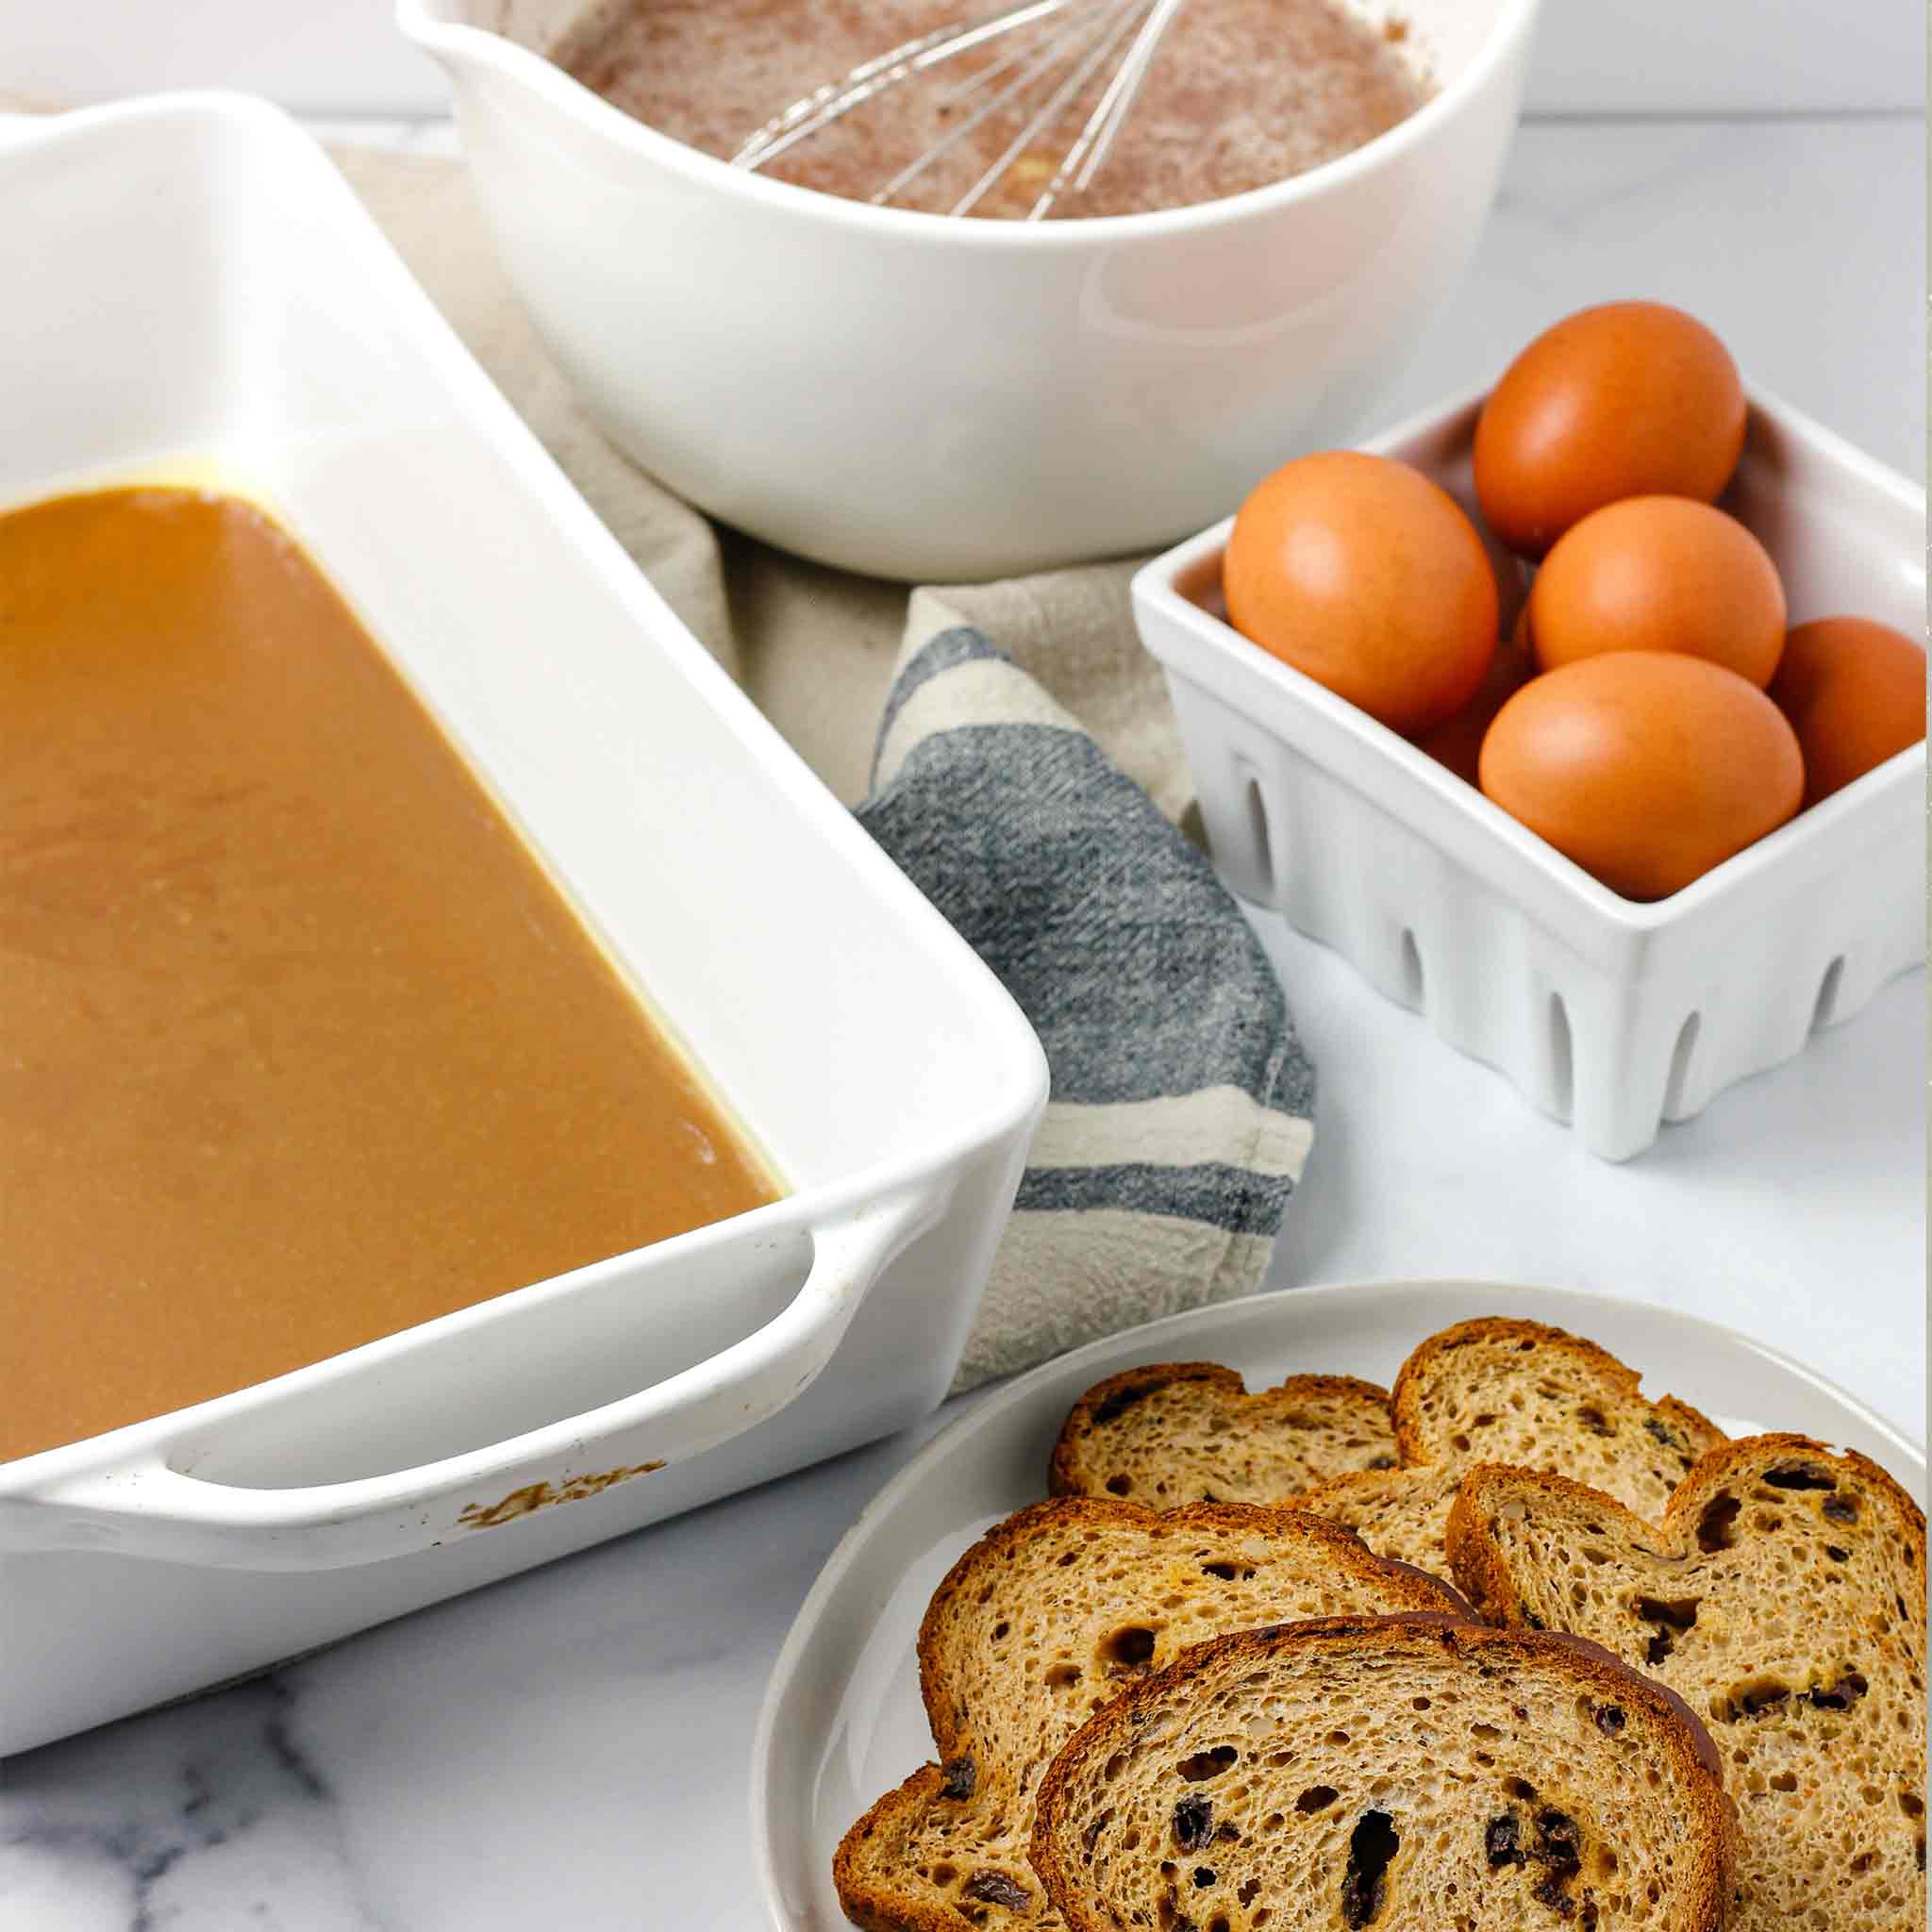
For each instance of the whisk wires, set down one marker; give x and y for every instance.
(1042, 80)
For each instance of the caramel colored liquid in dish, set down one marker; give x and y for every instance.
(1242, 92)
(299, 1046)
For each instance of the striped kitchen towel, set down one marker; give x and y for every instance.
(1182, 1104)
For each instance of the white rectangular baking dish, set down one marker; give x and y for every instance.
(1611, 1014)
(190, 279)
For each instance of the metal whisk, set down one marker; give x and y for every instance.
(1039, 77)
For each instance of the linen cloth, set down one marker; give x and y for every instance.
(1015, 753)
(1182, 1102)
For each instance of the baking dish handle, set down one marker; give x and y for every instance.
(149, 1509)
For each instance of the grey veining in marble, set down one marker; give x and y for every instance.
(207, 1815)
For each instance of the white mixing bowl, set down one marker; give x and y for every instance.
(922, 397)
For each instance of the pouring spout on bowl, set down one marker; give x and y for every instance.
(931, 399)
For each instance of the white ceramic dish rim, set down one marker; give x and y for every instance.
(1158, 582)
(422, 23)
(991, 1414)
(855, 1222)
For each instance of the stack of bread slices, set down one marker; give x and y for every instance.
(1510, 1646)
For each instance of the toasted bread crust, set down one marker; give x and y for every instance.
(1673, 1728)
(1588, 1416)
(1350, 1555)
(1432, 1360)
(870, 1904)
(1111, 1398)
(1484, 1574)
(1783, 1592)
(876, 1847)
(1413, 1495)
(1069, 1470)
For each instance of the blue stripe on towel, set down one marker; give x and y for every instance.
(941, 652)
(1136, 969)
(1233, 1198)
(1143, 979)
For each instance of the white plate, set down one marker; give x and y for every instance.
(842, 1720)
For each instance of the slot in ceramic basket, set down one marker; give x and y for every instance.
(1611, 1014)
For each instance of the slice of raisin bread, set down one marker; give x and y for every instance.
(1486, 1390)
(1783, 1596)
(1404, 1774)
(1175, 1433)
(1520, 1393)
(1049, 1616)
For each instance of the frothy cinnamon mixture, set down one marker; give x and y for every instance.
(1241, 93)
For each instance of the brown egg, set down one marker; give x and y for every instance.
(1458, 742)
(1645, 767)
(1660, 573)
(1364, 576)
(1632, 399)
(1854, 691)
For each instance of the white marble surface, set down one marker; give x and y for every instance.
(569, 1750)
(1716, 57)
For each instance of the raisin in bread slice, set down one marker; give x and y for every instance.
(1783, 1596)
(1175, 1433)
(1486, 1390)
(1404, 1774)
(1047, 1618)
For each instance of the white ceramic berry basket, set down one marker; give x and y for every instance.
(1613, 1015)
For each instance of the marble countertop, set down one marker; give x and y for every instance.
(568, 1749)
